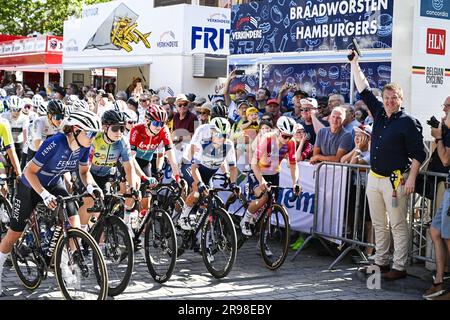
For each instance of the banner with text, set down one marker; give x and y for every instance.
(305, 25)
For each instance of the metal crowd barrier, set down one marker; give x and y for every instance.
(345, 219)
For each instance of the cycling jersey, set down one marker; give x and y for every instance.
(56, 158)
(145, 145)
(6, 139)
(212, 157)
(201, 134)
(103, 156)
(41, 130)
(17, 125)
(269, 155)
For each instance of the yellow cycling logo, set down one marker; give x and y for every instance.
(125, 31)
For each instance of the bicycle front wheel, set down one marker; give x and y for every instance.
(80, 275)
(117, 248)
(27, 260)
(219, 244)
(160, 245)
(274, 237)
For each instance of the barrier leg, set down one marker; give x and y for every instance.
(344, 253)
(303, 245)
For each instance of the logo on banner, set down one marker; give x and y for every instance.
(71, 45)
(122, 30)
(218, 18)
(53, 43)
(435, 9)
(248, 24)
(167, 40)
(436, 40)
(209, 37)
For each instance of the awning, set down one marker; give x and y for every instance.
(50, 68)
(108, 62)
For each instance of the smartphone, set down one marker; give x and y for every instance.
(239, 72)
(355, 47)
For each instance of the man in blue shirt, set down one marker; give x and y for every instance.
(396, 153)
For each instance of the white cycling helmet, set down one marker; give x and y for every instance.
(3, 93)
(27, 101)
(130, 115)
(37, 100)
(221, 125)
(42, 108)
(84, 119)
(286, 125)
(71, 99)
(15, 102)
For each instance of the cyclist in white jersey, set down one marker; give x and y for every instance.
(17, 121)
(209, 156)
(46, 126)
(40, 111)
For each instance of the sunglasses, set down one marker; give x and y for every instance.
(286, 137)
(305, 110)
(203, 113)
(157, 123)
(89, 134)
(16, 109)
(266, 119)
(131, 122)
(143, 100)
(183, 104)
(219, 135)
(28, 106)
(117, 128)
(58, 116)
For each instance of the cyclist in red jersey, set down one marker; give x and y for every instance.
(266, 165)
(145, 139)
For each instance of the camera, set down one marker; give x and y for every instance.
(433, 122)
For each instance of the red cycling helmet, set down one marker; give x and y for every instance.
(156, 113)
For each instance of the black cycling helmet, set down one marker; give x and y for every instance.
(133, 101)
(219, 109)
(111, 117)
(55, 106)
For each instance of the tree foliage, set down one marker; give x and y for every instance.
(23, 17)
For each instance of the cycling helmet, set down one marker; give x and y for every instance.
(15, 102)
(37, 100)
(3, 93)
(219, 109)
(133, 101)
(86, 120)
(27, 101)
(71, 99)
(286, 125)
(42, 108)
(221, 125)
(119, 105)
(130, 115)
(157, 113)
(55, 106)
(111, 117)
(80, 104)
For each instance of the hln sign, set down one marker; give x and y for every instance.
(436, 41)
(209, 37)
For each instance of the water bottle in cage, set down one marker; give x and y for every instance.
(134, 219)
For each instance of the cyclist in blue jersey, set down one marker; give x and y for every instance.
(107, 149)
(42, 178)
(210, 154)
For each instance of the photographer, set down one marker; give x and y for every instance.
(440, 227)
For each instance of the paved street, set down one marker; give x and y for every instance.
(305, 278)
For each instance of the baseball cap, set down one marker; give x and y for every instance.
(200, 100)
(251, 111)
(250, 95)
(275, 101)
(309, 101)
(301, 92)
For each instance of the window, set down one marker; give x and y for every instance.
(164, 3)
